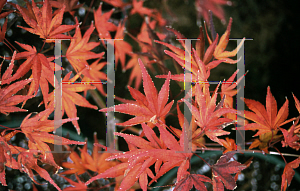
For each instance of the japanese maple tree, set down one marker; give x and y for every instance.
(165, 135)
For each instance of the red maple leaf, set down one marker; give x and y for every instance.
(221, 171)
(37, 130)
(290, 138)
(150, 107)
(75, 186)
(2, 15)
(187, 182)
(43, 24)
(208, 114)
(79, 50)
(201, 63)
(93, 75)
(7, 98)
(145, 153)
(70, 98)
(27, 162)
(6, 152)
(288, 173)
(138, 161)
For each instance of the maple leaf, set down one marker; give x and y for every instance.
(75, 185)
(136, 73)
(7, 98)
(122, 48)
(220, 52)
(208, 115)
(150, 107)
(70, 97)
(200, 62)
(266, 119)
(93, 74)
(192, 132)
(8, 101)
(140, 9)
(76, 167)
(228, 91)
(263, 142)
(199, 72)
(187, 182)
(221, 172)
(37, 130)
(288, 173)
(137, 157)
(69, 4)
(2, 15)
(145, 153)
(204, 6)
(34, 61)
(95, 162)
(6, 152)
(229, 144)
(43, 24)
(79, 50)
(290, 139)
(27, 161)
(102, 25)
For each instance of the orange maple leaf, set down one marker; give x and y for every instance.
(150, 108)
(95, 162)
(220, 52)
(122, 48)
(75, 185)
(102, 25)
(266, 119)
